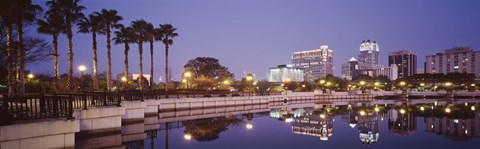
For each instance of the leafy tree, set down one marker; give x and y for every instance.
(207, 67)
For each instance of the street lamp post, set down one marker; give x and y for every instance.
(322, 86)
(249, 80)
(187, 75)
(362, 84)
(82, 69)
(124, 80)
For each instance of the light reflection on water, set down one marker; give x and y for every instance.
(328, 125)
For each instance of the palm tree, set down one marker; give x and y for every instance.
(168, 33)
(53, 25)
(71, 11)
(26, 12)
(152, 35)
(125, 36)
(8, 14)
(140, 30)
(92, 24)
(110, 19)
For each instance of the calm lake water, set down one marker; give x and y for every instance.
(389, 124)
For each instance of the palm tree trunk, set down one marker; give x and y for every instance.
(140, 51)
(127, 48)
(55, 63)
(151, 64)
(109, 61)
(166, 135)
(10, 76)
(70, 57)
(21, 56)
(166, 68)
(95, 62)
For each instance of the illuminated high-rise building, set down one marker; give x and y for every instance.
(405, 60)
(458, 59)
(316, 63)
(285, 73)
(369, 54)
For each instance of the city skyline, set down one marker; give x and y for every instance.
(243, 37)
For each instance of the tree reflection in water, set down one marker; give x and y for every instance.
(204, 130)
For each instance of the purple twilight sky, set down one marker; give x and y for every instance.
(254, 35)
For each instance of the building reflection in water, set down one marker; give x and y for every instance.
(457, 126)
(283, 114)
(368, 127)
(313, 123)
(401, 123)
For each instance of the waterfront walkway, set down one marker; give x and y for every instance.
(54, 117)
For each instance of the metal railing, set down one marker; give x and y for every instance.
(35, 107)
(41, 106)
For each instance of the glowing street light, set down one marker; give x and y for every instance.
(377, 83)
(225, 82)
(402, 83)
(472, 108)
(362, 82)
(377, 109)
(402, 111)
(187, 74)
(322, 81)
(184, 80)
(362, 113)
(422, 84)
(448, 110)
(328, 83)
(30, 76)
(124, 79)
(187, 137)
(82, 68)
(249, 126)
(448, 84)
(422, 108)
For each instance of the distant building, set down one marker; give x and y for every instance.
(146, 76)
(352, 69)
(391, 72)
(369, 53)
(349, 68)
(283, 73)
(457, 59)
(420, 71)
(316, 63)
(406, 61)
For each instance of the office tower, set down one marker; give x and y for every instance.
(457, 59)
(285, 73)
(406, 61)
(316, 63)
